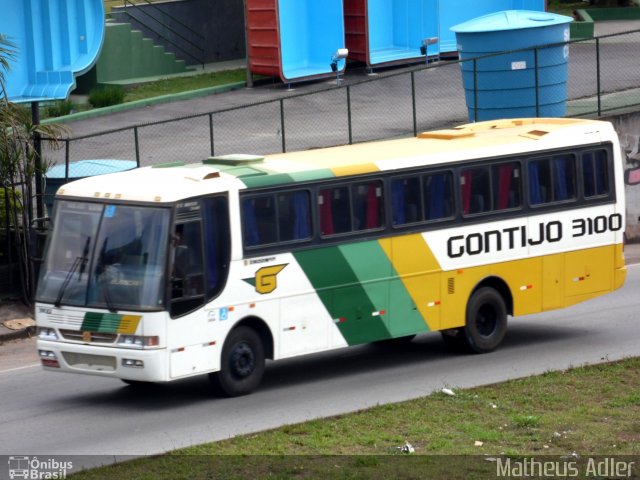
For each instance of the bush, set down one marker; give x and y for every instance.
(107, 96)
(59, 108)
(14, 203)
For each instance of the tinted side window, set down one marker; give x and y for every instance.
(475, 190)
(552, 179)
(506, 186)
(438, 195)
(294, 215)
(406, 203)
(595, 173)
(564, 176)
(281, 217)
(351, 208)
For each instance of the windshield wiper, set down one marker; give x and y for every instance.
(78, 262)
(100, 275)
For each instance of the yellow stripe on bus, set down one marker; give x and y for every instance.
(419, 271)
(129, 324)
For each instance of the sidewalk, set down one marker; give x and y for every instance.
(16, 320)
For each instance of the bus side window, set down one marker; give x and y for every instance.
(217, 243)
(187, 279)
(595, 174)
(539, 181)
(506, 185)
(335, 210)
(367, 205)
(438, 196)
(294, 215)
(564, 178)
(475, 190)
(405, 200)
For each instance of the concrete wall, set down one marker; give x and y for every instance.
(221, 22)
(628, 128)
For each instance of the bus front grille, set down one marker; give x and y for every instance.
(89, 337)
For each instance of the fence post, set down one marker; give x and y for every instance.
(211, 134)
(137, 145)
(349, 114)
(475, 90)
(598, 75)
(66, 160)
(413, 103)
(7, 229)
(537, 80)
(284, 141)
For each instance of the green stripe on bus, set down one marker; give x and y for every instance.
(272, 179)
(101, 322)
(386, 291)
(342, 294)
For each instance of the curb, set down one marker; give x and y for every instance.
(18, 334)
(98, 112)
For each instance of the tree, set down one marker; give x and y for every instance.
(18, 160)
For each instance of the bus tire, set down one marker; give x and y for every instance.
(486, 321)
(241, 363)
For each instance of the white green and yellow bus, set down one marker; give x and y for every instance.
(176, 270)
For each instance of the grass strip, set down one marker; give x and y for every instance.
(566, 416)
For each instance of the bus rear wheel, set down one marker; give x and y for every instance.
(486, 321)
(241, 364)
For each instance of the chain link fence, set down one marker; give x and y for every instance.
(601, 75)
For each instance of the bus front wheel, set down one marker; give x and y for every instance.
(486, 321)
(241, 364)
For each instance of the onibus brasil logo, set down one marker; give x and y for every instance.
(38, 469)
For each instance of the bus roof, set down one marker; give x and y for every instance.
(171, 182)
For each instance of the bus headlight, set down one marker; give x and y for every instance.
(48, 359)
(45, 333)
(138, 341)
(131, 362)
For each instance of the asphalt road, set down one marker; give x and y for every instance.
(46, 413)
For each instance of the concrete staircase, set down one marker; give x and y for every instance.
(127, 57)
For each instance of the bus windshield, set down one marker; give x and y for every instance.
(106, 256)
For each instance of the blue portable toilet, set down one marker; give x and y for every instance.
(58, 175)
(509, 85)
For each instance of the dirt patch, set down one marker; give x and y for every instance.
(10, 310)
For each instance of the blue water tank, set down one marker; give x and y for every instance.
(58, 175)
(509, 85)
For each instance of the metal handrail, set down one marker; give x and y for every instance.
(200, 60)
(176, 19)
